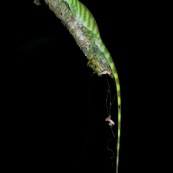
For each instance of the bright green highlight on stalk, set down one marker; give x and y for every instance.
(86, 18)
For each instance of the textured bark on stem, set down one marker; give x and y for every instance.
(83, 37)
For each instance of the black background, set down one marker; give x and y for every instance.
(55, 106)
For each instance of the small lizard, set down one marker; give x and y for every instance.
(88, 21)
